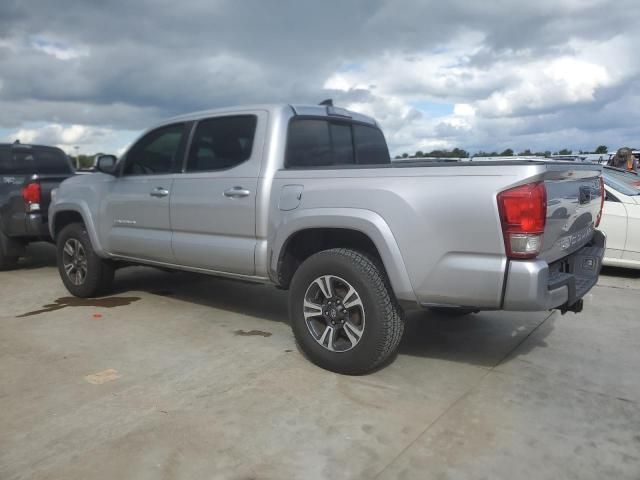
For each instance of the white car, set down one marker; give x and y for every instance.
(621, 218)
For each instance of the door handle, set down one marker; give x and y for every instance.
(237, 192)
(159, 192)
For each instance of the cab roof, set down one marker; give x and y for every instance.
(328, 111)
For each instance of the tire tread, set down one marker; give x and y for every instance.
(372, 272)
(100, 273)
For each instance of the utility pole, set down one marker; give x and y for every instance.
(77, 149)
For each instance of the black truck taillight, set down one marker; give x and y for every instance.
(31, 194)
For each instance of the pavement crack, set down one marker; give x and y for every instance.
(433, 422)
(609, 396)
(524, 339)
(461, 397)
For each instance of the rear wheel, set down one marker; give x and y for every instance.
(83, 272)
(343, 313)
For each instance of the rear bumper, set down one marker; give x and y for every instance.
(28, 225)
(536, 285)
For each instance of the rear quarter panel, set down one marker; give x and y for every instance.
(444, 220)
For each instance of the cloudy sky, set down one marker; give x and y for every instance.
(543, 74)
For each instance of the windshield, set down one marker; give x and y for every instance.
(625, 183)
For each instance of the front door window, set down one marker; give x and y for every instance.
(157, 152)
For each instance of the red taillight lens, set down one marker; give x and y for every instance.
(31, 195)
(602, 195)
(523, 214)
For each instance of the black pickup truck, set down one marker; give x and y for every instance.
(28, 174)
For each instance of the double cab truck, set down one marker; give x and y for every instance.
(306, 198)
(28, 174)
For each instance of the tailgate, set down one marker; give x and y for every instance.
(573, 204)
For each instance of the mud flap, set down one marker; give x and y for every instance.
(10, 247)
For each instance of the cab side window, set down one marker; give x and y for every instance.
(156, 153)
(313, 142)
(371, 147)
(221, 143)
(309, 144)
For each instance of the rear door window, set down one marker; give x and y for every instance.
(221, 143)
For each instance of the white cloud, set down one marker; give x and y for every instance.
(494, 100)
(464, 110)
(59, 50)
(541, 75)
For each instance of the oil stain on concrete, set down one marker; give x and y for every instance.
(107, 302)
(250, 333)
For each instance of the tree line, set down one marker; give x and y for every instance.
(83, 161)
(461, 153)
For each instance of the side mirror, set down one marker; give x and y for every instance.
(106, 164)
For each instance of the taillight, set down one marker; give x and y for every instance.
(523, 214)
(31, 195)
(602, 195)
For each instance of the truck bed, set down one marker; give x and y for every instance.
(444, 216)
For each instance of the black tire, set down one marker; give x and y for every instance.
(99, 272)
(382, 331)
(7, 262)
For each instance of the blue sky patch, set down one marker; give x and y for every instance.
(434, 109)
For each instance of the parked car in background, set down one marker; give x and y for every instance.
(621, 218)
(306, 198)
(28, 174)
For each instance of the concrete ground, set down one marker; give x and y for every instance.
(184, 376)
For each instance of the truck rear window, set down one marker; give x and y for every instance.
(10, 164)
(29, 160)
(315, 142)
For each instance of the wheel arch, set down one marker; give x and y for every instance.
(67, 214)
(309, 231)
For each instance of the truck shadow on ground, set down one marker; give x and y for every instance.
(260, 301)
(484, 339)
(38, 255)
(621, 272)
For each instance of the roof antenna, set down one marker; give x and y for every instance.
(327, 103)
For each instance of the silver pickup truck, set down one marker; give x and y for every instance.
(306, 198)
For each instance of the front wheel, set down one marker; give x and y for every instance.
(343, 313)
(83, 272)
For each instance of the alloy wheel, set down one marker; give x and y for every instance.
(334, 313)
(74, 261)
